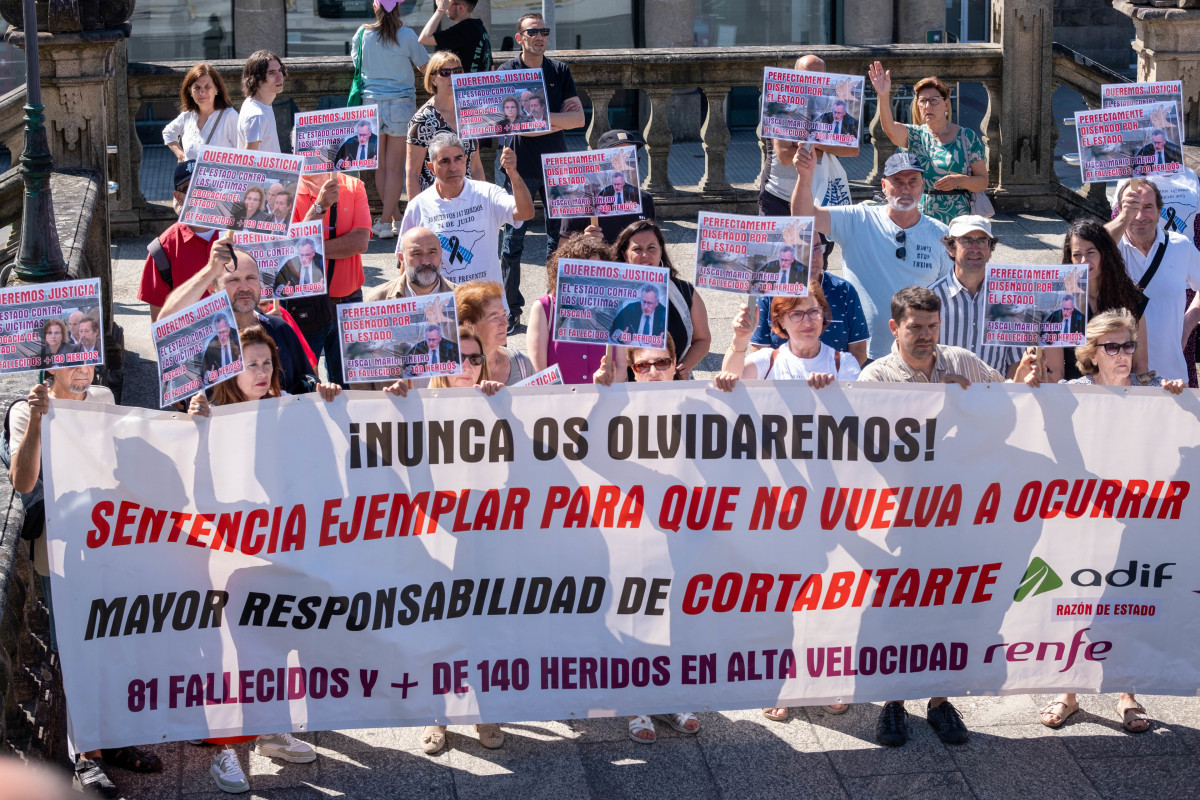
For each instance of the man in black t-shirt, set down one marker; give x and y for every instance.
(466, 37)
(565, 112)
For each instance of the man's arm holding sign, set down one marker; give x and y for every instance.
(27, 461)
(802, 199)
(354, 241)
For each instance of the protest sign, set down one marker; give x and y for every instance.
(197, 348)
(597, 183)
(594, 552)
(550, 376)
(292, 267)
(754, 255)
(239, 190)
(51, 326)
(1128, 142)
(598, 302)
(409, 337)
(1116, 95)
(500, 103)
(338, 139)
(1040, 306)
(812, 106)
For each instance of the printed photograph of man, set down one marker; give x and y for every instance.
(1160, 149)
(1062, 321)
(303, 269)
(784, 269)
(362, 146)
(644, 317)
(73, 323)
(618, 192)
(222, 350)
(440, 350)
(537, 109)
(280, 206)
(841, 121)
(89, 334)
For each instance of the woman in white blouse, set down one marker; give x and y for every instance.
(207, 118)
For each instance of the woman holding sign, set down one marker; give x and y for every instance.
(955, 163)
(577, 362)
(437, 116)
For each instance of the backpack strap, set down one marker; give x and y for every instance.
(156, 251)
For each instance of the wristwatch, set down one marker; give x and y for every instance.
(320, 208)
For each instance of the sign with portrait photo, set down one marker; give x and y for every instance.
(598, 302)
(758, 256)
(596, 183)
(501, 103)
(242, 190)
(820, 107)
(1036, 306)
(50, 326)
(1130, 141)
(409, 337)
(197, 348)
(292, 267)
(338, 139)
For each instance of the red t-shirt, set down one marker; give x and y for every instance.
(353, 212)
(188, 253)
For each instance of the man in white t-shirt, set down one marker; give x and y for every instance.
(262, 82)
(885, 248)
(1138, 237)
(467, 215)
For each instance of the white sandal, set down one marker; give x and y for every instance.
(678, 720)
(638, 724)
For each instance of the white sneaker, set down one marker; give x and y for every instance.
(285, 746)
(383, 230)
(227, 772)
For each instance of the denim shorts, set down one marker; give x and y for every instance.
(395, 115)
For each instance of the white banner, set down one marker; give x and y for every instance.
(375, 561)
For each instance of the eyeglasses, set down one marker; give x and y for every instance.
(446, 72)
(536, 32)
(474, 359)
(812, 314)
(976, 242)
(661, 364)
(1112, 348)
(929, 101)
(901, 251)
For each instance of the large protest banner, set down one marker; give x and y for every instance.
(341, 139)
(597, 183)
(236, 190)
(51, 326)
(598, 302)
(1037, 306)
(1129, 141)
(409, 337)
(292, 267)
(197, 348)
(569, 551)
(501, 103)
(754, 255)
(812, 106)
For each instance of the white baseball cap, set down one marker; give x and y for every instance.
(961, 226)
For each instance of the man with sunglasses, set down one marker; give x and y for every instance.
(565, 113)
(466, 36)
(885, 247)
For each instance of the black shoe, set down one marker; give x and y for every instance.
(891, 730)
(90, 773)
(947, 723)
(514, 324)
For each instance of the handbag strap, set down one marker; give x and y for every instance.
(1158, 257)
(330, 262)
(216, 125)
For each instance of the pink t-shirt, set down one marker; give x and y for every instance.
(578, 362)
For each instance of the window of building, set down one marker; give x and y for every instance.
(201, 30)
(725, 23)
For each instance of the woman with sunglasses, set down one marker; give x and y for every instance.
(955, 162)
(481, 311)
(388, 53)
(643, 243)
(1106, 359)
(437, 116)
(577, 362)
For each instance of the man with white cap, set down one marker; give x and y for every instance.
(885, 247)
(964, 303)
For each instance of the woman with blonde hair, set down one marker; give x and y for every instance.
(437, 116)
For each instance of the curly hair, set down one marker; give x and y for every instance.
(1116, 319)
(580, 246)
(1116, 289)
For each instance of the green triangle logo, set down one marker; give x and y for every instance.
(1039, 578)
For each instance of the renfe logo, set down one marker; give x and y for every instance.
(1040, 577)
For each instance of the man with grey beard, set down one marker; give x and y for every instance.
(885, 248)
(420, 261)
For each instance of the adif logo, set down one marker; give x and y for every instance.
(1039, 578)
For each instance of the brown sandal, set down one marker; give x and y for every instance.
(771, 714)
(1050, 710)
(1133, 714)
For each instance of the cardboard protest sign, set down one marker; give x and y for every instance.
(197, 348)
(338, 139)
(411, 337)
(51, 326)
(1117, 95)
(812, 106)
(550, 376)
(754, 255)
(598, 302)
(598, 183)
(1042, 306)
(292, 267)
(238, 190)
(500, 103)
(1130, 141)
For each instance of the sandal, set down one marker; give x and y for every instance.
(639, 724)
(679, 720)
(90, 772)
(1132, 715)
(837, 708)
(1051, 711)
(490, 735)
(433, 739)
(132, 759)
(778, 714)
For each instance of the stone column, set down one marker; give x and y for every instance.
(1167, 44)
(869, 22)
(915, 18)
(259, 25)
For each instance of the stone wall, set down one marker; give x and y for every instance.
(1095, 29)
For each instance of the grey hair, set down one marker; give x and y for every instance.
(440, 142)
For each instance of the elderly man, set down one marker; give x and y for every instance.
(1065, 320)
(969, 242)
(360, 148)
(885, 248)
(439, 349)
(303, 269)
(73, 324)
(420, 261)
(841, 123)
(465, 214)
(638, 321)
(234, 271)
(1158, 151)
(784, 269)
(89, 334)
(222, 350)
